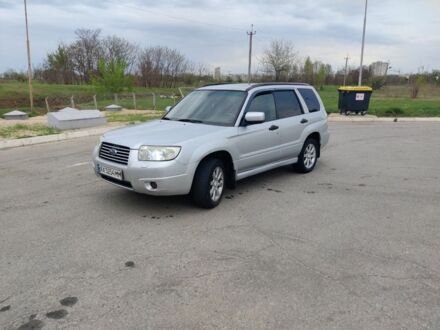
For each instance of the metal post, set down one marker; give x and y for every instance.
(72, 102)
(363, 44)
(134, 100)
(154, 101)
(181, 92)
(95, 102)
(250, 34)
(31, 97)
(47, 104)
(346, 68)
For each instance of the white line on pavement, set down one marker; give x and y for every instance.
(79, 164)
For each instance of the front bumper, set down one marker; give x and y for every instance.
(150, 177)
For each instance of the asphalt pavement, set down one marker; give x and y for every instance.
(353, 245)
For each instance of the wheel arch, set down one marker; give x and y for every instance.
(228, 162)
(317, 137)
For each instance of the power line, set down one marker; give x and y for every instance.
(179, 18)
(250, 33)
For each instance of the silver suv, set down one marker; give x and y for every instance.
(215, 136)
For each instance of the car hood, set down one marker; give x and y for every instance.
(159, 132)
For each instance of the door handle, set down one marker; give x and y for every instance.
(304, 121)
(273, 128)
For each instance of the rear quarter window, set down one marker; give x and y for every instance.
(287, 104)
(310, 99)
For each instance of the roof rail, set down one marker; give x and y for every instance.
(215, 84)
(275, 83)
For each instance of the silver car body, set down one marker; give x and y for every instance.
(253, 149)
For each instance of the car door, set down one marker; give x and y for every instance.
(259, 144)
(292, 121)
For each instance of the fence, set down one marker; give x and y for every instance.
(138, 101)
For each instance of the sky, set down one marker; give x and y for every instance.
(404, 32)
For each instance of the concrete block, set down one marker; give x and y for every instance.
(69, 118)
(113, 107)
(16, 115)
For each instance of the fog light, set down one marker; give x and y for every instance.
(153, 185)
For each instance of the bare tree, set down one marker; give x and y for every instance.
(161, 66)
(202, 70)
(118, 49)
(279, 59)
(85, 53)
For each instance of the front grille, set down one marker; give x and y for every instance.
(114, 153)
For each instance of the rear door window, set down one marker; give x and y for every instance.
(287, 104)
(310, 99)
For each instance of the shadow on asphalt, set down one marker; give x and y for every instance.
(117, 198)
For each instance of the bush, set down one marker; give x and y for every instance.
(377, 82)
(112, 77)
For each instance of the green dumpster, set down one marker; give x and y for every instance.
(354, 99)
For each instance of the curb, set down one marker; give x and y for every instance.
(55, 137)
(381, 119)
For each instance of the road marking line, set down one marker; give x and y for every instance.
(79, 164)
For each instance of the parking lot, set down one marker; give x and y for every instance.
(353, 245)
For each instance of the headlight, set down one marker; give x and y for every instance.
(157, 153)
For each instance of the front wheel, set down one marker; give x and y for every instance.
(209, 183)
(308, 157)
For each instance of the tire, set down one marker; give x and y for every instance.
(209, 183)
(308, 156)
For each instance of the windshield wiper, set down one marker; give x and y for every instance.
(187, 120)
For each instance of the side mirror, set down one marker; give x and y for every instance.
(168, 108)
(255, 117)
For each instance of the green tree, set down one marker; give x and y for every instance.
(308, 70)
(320, 76)
(111, 76)
(59, 66)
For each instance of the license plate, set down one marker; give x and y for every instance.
(110, 171)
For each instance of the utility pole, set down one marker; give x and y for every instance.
(363, 44)
(31, 98)
(346, 68)
(250, 34)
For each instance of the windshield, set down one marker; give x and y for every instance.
(209, 107)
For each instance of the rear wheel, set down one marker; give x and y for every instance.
(308, 157)
(209, 183)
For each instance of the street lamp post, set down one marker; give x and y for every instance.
(250, 34)
(363, 44)
(31, 98)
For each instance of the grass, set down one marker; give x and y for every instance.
(15, 95)
(392, 101)
(20, 131)
(389, 101)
